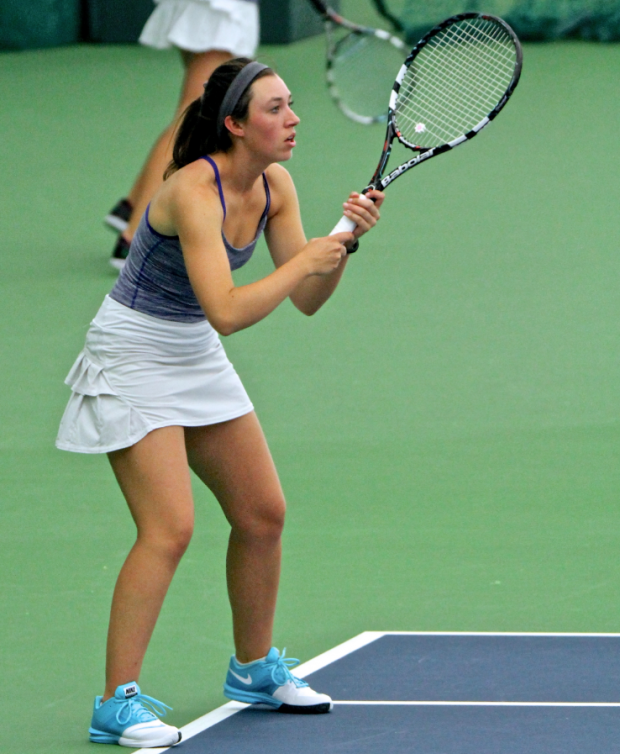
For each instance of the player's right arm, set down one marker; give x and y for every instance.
(285, 236)
(196, 214)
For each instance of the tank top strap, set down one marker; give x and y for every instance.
(219, 182)
(221, 190)
(268, 196)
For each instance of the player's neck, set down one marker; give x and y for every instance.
(240, 169)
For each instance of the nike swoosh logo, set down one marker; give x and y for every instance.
(247, 680)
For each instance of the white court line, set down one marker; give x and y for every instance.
(490, 633)
(311, 666)
(337, 653)
(206, 721)
(483, 704)
(361, 640)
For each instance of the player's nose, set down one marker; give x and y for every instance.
(293, 120)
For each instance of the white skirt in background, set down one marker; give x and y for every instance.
(201, 25)
(138, 373)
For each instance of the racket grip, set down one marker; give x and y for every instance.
(344, 224)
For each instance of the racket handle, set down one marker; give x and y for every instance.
(344, 224)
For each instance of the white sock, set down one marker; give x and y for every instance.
(244, 664)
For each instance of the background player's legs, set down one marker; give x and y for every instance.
(198, 68)
(154, 477)
(233, 460)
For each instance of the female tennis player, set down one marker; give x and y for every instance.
(206, 33)
(154, 389)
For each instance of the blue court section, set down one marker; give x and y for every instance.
(448, 671)
(477, 668)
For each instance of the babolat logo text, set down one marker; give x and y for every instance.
(130, 691)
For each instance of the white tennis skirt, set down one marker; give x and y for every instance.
(138, 373)
(201, 25)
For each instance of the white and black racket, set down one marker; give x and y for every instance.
(453, 83)
(360, 65)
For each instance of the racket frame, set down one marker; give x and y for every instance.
(388, 15)
(425, 153)
(332, 19)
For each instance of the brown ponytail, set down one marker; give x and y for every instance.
(197, 135)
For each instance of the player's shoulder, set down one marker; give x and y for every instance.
(281, 187)
(189, 195)
(278, 176)
(192, 184)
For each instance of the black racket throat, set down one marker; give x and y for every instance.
(329, 14)
(321, 7)
(380, 183)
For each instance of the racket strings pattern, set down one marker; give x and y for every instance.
(462, 105)
(454, 82)
(361, 65)
(360, 89)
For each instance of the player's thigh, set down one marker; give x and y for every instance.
(154, 477)
(198, 68)
(232, 458)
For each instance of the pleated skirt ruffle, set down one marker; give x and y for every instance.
(137, 373)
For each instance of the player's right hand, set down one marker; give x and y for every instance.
(324, 255)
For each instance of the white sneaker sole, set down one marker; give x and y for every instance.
(312, 709)
(118, 264)
(116, 223)
(257, 697)
(134, 743)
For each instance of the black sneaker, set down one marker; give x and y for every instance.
(119, 255)
(119, 215)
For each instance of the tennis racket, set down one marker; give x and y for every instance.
(453, 83)
(360, 65)
(392, 14)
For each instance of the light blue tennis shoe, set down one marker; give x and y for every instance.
(129, 719)
(271, 682)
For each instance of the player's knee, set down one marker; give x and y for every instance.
(264, 522)
(172, 541)
(180, 540)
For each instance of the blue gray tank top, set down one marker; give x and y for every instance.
(154, 279)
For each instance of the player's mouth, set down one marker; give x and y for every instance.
(291, 139)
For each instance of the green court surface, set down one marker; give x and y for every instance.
(447, 428)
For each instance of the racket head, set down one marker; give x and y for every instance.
(455, 81)
(361, 64)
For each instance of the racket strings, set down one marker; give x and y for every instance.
(466, 104)
(454, 96)
(481, 94)
(495, 60)
(359, 87)
(488, 75)
(454, 82)
(493, 72)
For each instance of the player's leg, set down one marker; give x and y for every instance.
(198, 68)
(154, 478)
(233, 460)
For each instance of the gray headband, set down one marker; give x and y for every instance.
(239, 84)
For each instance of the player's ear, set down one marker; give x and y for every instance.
(235, 128)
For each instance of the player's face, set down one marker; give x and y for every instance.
(270, 127)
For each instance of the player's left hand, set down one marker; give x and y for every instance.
(363, 209)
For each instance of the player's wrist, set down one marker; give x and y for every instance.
(304, 263)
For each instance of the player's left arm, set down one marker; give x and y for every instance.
(285, 235)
